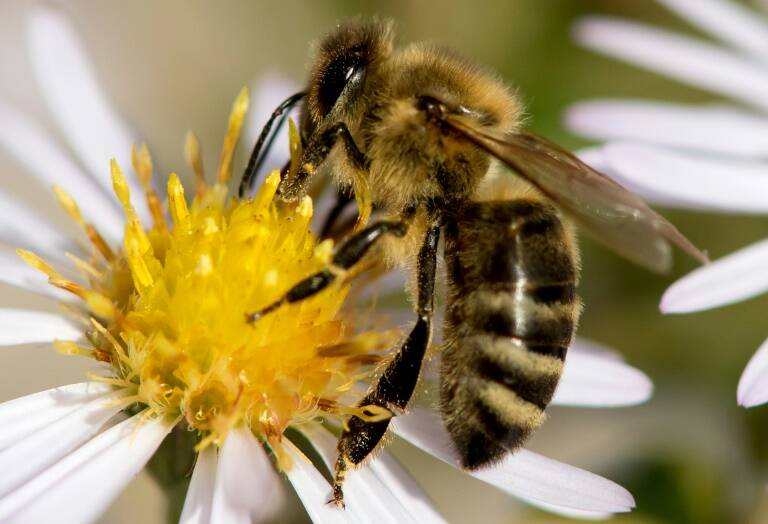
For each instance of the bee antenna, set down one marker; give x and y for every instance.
(265, 141)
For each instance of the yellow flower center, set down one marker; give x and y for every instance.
(167, 311)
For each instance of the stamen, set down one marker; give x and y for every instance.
(99, 243)
(134, 231)
(176, 201)
(236, 118)
(142, 165)
(324, 251)
(195, 162)
(70, 206)
(84, 266)
(121, 189)
(368, 413)
(267, 191)
(38, 263)
(67, 285)
(100, 305)
(119, 351)
(110, 381)
(138, 265)
(295, 148)
(304, 213)
(66, 347)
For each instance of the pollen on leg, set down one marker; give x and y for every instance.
(166, 307)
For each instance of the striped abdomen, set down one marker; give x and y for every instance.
(510, 315)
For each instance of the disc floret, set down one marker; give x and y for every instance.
(167, 310)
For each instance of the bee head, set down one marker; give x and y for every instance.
(342, 61)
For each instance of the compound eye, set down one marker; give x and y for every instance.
(340, 72)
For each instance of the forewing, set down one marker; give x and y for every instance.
(618, 218)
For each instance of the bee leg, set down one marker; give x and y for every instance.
(396, 385)
(348, 254)
(315, 153)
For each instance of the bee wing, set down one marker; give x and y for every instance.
(617, 217)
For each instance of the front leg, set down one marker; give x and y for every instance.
(394, 389)
(318, 149)
(347, 255)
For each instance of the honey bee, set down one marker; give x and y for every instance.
(423, 132)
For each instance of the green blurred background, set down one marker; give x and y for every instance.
(688, 456)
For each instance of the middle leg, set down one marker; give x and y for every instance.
(347, 256)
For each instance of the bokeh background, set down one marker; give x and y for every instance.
(690, 455)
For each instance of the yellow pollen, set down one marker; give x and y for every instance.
(167, 308)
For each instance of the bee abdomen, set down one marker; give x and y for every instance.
(510, 316)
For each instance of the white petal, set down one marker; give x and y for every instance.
(247, 487)
(23, 416)
(77, 102)
(19, 326)
(269, 91)
(29, 229)
(688, 60)
(753, 385)
(375, 498)
(14, 271)
(314, 492)
(726, 20)
(711, 129)
(736, 277)
(33, 454)
(405, 488)
(44, 160)
(199, 499)
(689, 180)
(571, 513)
(590, 347)
(592, 379)
(82, 485)
(523, 474)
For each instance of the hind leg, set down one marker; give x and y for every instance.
(394, 389)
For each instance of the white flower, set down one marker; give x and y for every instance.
(710, 157)
(66, 453)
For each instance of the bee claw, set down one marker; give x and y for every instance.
(338, 502)
(250, 318)
(338, 496)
